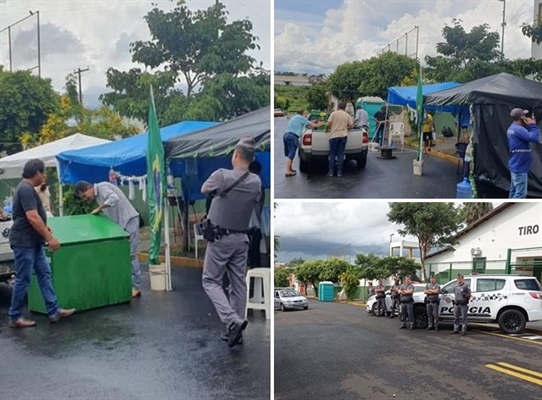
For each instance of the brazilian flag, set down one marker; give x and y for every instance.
(156, 182)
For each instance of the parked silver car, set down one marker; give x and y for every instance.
(289, 299)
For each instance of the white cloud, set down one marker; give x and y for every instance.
(77, 34)
(360, 29)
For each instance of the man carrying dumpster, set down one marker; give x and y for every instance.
(237, 193)
(27, 238)
(114, 203)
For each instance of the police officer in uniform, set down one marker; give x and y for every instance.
(380, 299)
(406, 291)
(237, 193)
(395, 298)
(431, 292)
(462, 296)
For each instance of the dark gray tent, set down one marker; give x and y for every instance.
(492, 98)
(220, 140)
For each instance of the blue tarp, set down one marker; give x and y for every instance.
(407, 96)
(126, 156)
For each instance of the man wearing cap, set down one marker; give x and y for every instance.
(380, 299)
(237, 194)
(522, 131)
(431, 292)
(27, 238)
(406, 291)
(294, 130)
(395, 298)
(462, 296)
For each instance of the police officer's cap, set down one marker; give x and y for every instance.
(408, 277)
(460, 276)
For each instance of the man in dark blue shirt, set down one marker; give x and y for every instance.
(522, 131)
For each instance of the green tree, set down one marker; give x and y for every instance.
(281, 102)
(317, 96)
(471, 212)
(332, 269)
(534, 31)
(386, 70)
(203, 51)
(346, 79)
(281, 277)
(465, 56)
(25, 104)
(295, 262)
(350, 282)
(309, 273)
(433, 224)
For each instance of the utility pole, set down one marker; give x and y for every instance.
(503, 25)
(79, 71)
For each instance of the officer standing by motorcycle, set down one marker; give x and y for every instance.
(380, 292)
(432, 291)
(395, 298)
(406, 291)
(237, 193)
(462, 294)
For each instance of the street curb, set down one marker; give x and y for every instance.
(175, 261)
(438, 154)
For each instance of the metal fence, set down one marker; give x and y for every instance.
(446, 271)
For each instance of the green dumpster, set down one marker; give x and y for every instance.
(92, 266)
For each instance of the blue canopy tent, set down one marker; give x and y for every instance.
(407, 96)
(126, 156)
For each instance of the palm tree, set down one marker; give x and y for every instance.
(474, 211)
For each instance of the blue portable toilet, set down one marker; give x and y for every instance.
(325, 291)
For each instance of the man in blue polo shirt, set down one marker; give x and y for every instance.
(294, 130)
(522, 131)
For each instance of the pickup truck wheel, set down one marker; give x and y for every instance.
(362, 161)
(304, 166)
(512, 321)
(420, 317)
(373, 309)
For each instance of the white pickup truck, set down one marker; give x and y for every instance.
(314, 147)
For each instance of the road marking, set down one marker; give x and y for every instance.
(510, 337)
(527, 371)
(516, 374)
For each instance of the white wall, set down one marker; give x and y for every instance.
(506, 230)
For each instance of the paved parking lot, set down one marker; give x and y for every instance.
(338, 351)
(379, 179)
(164, 345)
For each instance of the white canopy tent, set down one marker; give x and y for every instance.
(12, 166)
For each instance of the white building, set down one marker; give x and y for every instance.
(536, 49)
(506, 240)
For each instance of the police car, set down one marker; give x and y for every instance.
(509, 300)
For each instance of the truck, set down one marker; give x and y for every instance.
(314, 144)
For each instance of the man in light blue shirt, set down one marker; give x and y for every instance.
(294, 130)
(114, 203)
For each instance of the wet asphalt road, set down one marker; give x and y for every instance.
(337, 351)
(164, 345)
(385, 179)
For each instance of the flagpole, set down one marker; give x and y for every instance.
(167, 243)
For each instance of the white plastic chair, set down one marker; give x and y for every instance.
(260, 300)
(198, 236)
(397, 130)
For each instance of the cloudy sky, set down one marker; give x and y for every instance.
(313, 230)
(316, 36)
(96, 34)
